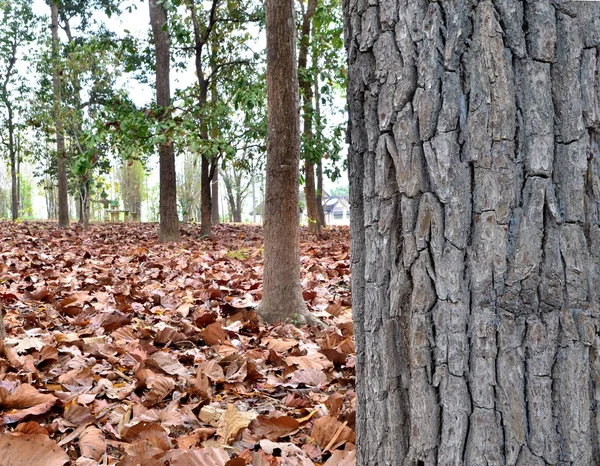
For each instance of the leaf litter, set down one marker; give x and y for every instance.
(124, 351)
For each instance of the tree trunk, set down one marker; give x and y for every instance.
(169, 222)
(282, 294)
(14, 184)
(61, 154)
(320, 208)
(205, 197)
(214, 199)
(474, 181)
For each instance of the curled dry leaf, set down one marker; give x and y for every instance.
(233, 422)
(30, 450)
(159, 387)
(214, 334)
(168, 363)
(78, 414)
(309, 377)
(342, 458)
(31, 427)
(273, 428)
(25, 400)
(329, 433)
(208, 456)
(92, 443)
(311, 361)
(152, 432)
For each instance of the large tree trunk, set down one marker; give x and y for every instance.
(282, 294)
(61, 154)
(475, 188)
(169, 221)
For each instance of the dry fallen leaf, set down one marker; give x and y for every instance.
(232, 423)
(342, 458)
(208, 456)
(92, 443)
(273, 428)
(330, 433)
(145, 345)
(30, 450)
(25, 400)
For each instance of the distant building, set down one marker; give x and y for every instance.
(337, 211)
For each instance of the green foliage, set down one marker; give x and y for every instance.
(340, 191)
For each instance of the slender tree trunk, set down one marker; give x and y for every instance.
(253, 200)
(215, 220)
(14, 183)
(306, 87)
(205, 197)
(169, 222)
(320, 208)
(61, 154)
(475, 174)
(282, 294)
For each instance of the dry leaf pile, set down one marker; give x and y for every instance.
(124, 351)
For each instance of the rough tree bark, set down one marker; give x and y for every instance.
(61, 153)
(475, 191)
(282, 294)
(169, 222)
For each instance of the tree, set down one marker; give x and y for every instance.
(61, 154)
(169, 221)
(218, 41)
(237, 190)
(306, 86)
(474, 172)
(282, 294)
(16, 31)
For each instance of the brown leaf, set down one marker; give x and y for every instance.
(232, 423)
(168, 363)
(309, 377)
(31, 427)
(25, 400)
(212, 370)
(214, 334)
(208, 456)
(92, 443)
(311, 361)
(159, 387)
(152, 432)
(328, 429)
(78, 414)
(169, 335)
(274, 428)
(342, 458)
(30, 450)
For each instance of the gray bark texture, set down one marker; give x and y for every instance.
(475, 190)
(282, 292)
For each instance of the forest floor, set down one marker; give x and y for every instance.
(122, 350)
